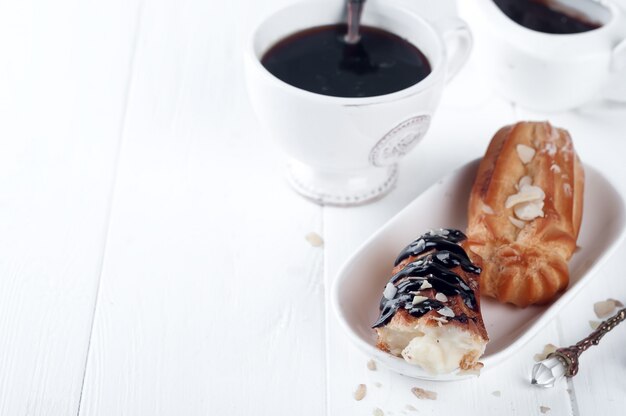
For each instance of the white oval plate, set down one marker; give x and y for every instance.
(357, 288)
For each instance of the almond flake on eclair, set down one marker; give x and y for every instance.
(525, 153)
(527, 203)
(528, 211)
(418, 299)
(390, 291)
(486, 209)
(550, 149)
(445, 311)
(518, 223)
(567, 188)
(426, 285)
(441, 297)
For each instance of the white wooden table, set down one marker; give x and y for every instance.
(153, 260)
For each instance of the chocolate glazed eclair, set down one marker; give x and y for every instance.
(430, 309)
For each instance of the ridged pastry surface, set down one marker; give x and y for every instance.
(525, 211)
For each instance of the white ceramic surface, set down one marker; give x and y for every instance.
(344, 151)
(544, 71)
(357, 289)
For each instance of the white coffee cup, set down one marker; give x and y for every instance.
(344, 151)
(548, 72)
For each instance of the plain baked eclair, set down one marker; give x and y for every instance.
(525, 211)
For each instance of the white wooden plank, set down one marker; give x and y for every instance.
(64, 71)
(211, 299)
(597, 131)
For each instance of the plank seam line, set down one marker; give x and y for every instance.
(571, 393)
(122, 131)
(327, 285)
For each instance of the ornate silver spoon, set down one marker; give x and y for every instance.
(355, 8)
(564, 361)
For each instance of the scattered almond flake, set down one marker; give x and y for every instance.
(378, 412)
(547, 349)
(555, 168)
(617, 303)
(544, 409)
(518, 223)
(424, 394)
(486, 208)
(378, 384)
(425, 285)
(496, 393)
(594, 324)
(390, 291)
(604, 308)
(360, 392)
(314, 239)
(410, 408)
(418, 299)
(567, 188)
(371, 365)
(525, 153)
(445, 311)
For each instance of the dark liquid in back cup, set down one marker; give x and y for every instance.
(547, 16)
(320, 61)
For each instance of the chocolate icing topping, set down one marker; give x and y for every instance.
(442, 255)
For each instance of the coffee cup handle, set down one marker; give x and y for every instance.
(458, 42)
(618, 56)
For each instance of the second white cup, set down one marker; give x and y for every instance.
(544, 71)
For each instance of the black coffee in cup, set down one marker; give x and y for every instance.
(548, 16)
(319, 60)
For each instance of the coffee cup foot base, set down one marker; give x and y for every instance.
(341, 188)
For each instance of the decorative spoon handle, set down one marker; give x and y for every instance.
(564, 361)
(569, 355)
(355, 8)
